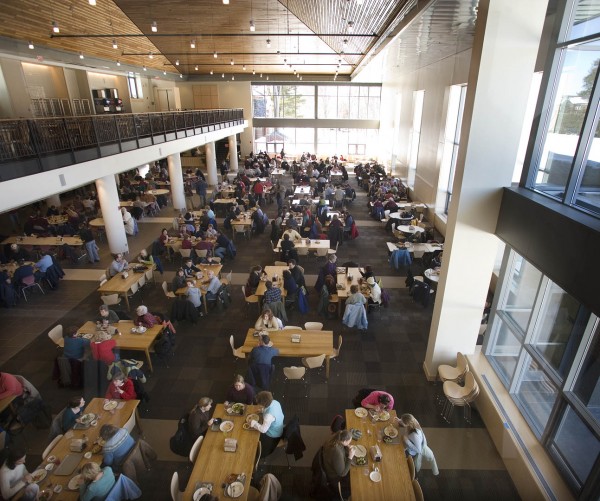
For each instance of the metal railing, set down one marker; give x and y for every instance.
(29, 146)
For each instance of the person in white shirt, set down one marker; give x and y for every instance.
(128, 221)
(375, 297)
(294, 235)
(14, 477)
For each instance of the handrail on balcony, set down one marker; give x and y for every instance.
(29, 146)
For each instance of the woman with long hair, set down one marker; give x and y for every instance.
(240, 392)
(337, 456)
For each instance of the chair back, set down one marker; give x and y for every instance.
(142, 281)
(175, 492)
(289, 327)
(201, 253)
(461, 363)
(185, 252)
(339, 347)
(28, 281)
(165, 288)
(322, 252)
(417, 490)
(101, 278)
(51, 445)
(134, 288)
(313, 326)
(294, 372)
(149, 274)
(130, 424)
(314, 362)
(102, 282)
(411, 467)
(229, 276)
(196, 448)
(56, 334)
(110, 299)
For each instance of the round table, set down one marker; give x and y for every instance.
(158, 192)
(97, 223)
(411, 230)
(431, 274)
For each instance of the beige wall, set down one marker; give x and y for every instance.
(17, 88)
(45, 81)
(5, 104)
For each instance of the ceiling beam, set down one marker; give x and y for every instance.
(187, 35)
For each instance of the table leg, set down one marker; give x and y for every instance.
(149, 360)
(327, 367)
(205, 304)
(138, 421)
(127, 301)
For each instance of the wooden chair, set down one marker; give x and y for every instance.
(411, 467)
(333, 251)
(250, 300)
(417, 490)
(176, 494)
(56, 335)
(169, 294)
(227, 279)
(289, 327)
(237, 353)
(149, 275)
(184, 254)
(457, 373)
(195, 449)
(314, 362)
(313, 326)
(461, 396)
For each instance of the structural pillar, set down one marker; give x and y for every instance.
(144, 169)
(211, 164)
(233, 153)
(54, 200)
(507, 37)
(176, 180)
(108, 196)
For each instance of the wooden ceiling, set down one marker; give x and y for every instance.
(316, 37)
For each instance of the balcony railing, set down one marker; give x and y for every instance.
(30, 146)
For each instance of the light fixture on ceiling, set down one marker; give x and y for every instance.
(225, 2)
(154, 27)
(233, 77)
(278, 53)
(55, 27)
(231, 62)
(268, 43)
(144, 68)
(267, 77)
(294, 71)
(222, 75)
(345, 43)
(180, 75)
(92, 2)
(350, 26)
(284, 61)
(114, 44)
(215, 54)
(151, 55)
(261, 75)
(359, 2)
(252, 27)
(81, 55)
(211, 72)
(177, 62)
(196, 67)
(164, 72)
(253, 71)
(300, 78)
(118, 63)
(244, 67)
(31, 46)
(193, 44)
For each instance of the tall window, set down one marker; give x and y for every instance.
(349, 101)
(415, 136)
(456, 104)
(135, 87)
(545, 347)
(564, 159)
(283, 101)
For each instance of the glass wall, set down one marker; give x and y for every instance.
(283, 101)
(349, 102)
(415, 136)
(545, 347)
(564, 161)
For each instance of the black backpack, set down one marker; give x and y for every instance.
(181, 442)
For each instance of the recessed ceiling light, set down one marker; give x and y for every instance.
(268, 43)
(267, 77)
(151, 55)
(231, 62)
(193, 44)
(211, 72)
(252, 27)
(261, 75)
(81, 55)
(55, 27)
(31, 46)
(253, 71)
(154, 27)
(180, 75)
(345, 43)
(177, 62)
(114, 44)
(144, 68)
(350, 26)
(244, 67)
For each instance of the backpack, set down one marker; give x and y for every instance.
(302, 301)
(181, 442)
(385, 298)
(162, 347)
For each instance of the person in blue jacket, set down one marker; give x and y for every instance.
(271, 429)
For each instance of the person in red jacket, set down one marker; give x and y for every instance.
(103, 349)
(120, 388)
(9, 385)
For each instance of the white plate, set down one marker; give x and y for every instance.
(226, 426)
(390, 431)
(51, 459)
(87, 418)
(74, 483)
(87, 335)
(375, 476)
(384, 416)
(234, 490)
(360, 451)
(200, 492)
(361, 412)
(39, 475)
(49, 467)
(87, 455)
(109, 406)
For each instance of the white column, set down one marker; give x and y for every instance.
(176, 179)
(211, 163)
(108, 196)
(233, 154)
(507, 36)
(144, 169)
(54, 200)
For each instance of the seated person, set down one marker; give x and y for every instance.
(240, 392)
(23, 271)
(293, 234)
(96, 483)
(194, 295)
(268, 321)
(120, 388)
(14, 477)
(272, 294)
(117, 444)
(271, 429)
(74, 347)
(144, 317)
(378, 400)
(214, 284)
(72, 413)
(288, 250)
(375, 297)
(356, 297)
(118, 265)
(189, 270)
(253, 280)
(289, 284)
(103, 349)
(211, 232)
(199, 418)
(179, 280)
(107, 313)
(296, 272)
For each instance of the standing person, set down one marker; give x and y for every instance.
(96, 483)
(14, 477)
(415, 443)
(240, 392)
(337, 455)
(201, 186)
(85, 233)
(271, 429)
(128, 221)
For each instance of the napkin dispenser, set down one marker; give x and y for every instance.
(230, 445)
(296, 338)
(77, 445)
(375, 453)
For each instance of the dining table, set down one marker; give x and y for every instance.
(243, 221)
(302, 190)
(346, 278)
(312, 343)
(106, 412)
(395, 480)
(200, 281)
(215, 466)
(432, 274)
(97, 222)
(158, 192)
(44, 241)
(121, 283)
(11, 267)
(307, 243)
(128, 339)
(270, 272)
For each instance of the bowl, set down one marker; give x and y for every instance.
(375, 476)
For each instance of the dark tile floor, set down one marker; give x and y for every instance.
(389, 355)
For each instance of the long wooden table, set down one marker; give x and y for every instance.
(214, 465)
(205, 268)
(45, 241)
(311, 245)
(271, 271)
(118, 418)
(128, 340)
(395, 478)
(342, 280)
(120, 285)
(312, 344)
